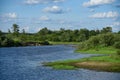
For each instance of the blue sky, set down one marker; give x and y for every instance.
(32, 15)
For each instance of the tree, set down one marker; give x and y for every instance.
(92, 33)
(6, 42)
(97, 31)
(84, 32)
(118, 32)
(15, 30)
(23, 31)
(107, 39)
(44, 31)
(0, 37)
(0, 33)
(62, 30)
(117, 45)
(106, 30)
(94, 41)
(23, 36)
(9, 31)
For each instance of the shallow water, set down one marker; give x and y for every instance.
(24, 63)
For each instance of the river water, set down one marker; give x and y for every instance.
(25, 63)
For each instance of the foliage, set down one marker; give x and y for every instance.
(118, 52)
(107, 39)
(8, 42)
(44, 43)
(101, 40)
(15, 29)
(89, 38)
(118, 32)
(106, 30)
(117, 45)
(0, 33)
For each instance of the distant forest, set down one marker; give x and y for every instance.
(14, 37)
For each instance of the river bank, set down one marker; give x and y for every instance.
(99, 63)
(109, 62)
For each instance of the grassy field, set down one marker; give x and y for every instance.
(109, 62)
(102, 50)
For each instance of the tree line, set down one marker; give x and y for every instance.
(16, 38)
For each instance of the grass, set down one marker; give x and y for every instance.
(102, 63)
(66, 43)
(66, 67)
(103, 50)
(109, 62)
(112, 59)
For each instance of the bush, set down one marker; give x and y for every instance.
(117, 45)
(44, 43)
(107, 39)
(118, 52)
(17, 43)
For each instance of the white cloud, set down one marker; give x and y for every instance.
(7, 17)
(109, 14)
(42, 1)
(92, 10)
(92, 3)
(53, 9)
(32, 1)
(10, 15)
(44, 18)
(58, 0)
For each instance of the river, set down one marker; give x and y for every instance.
(25, 63)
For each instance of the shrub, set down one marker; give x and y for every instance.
(44, 43)
(118, 52)
(17, 43)
(117, 45)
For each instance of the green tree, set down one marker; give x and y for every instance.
(23, 36)
(0, 33)
(94, 41)
(9, 32)
(107, 39)
(106, 30)
(44, 31)
(81, 38)
(23, 31)
(118, 32)
(117, 45)
(84, 33)
(92, 33)
(7, 42)
(97, 31)
(15, 30)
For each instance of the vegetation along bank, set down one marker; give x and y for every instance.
(107, 44)
(102, 41)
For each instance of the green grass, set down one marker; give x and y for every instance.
(62, 67)
(66, 43)
(109, 62)
(70, 64)
(103, 50)
(112, 59)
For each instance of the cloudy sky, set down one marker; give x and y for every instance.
(32, 15)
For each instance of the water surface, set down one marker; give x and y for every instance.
(25, 63)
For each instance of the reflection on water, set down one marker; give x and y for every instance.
(24, 63)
